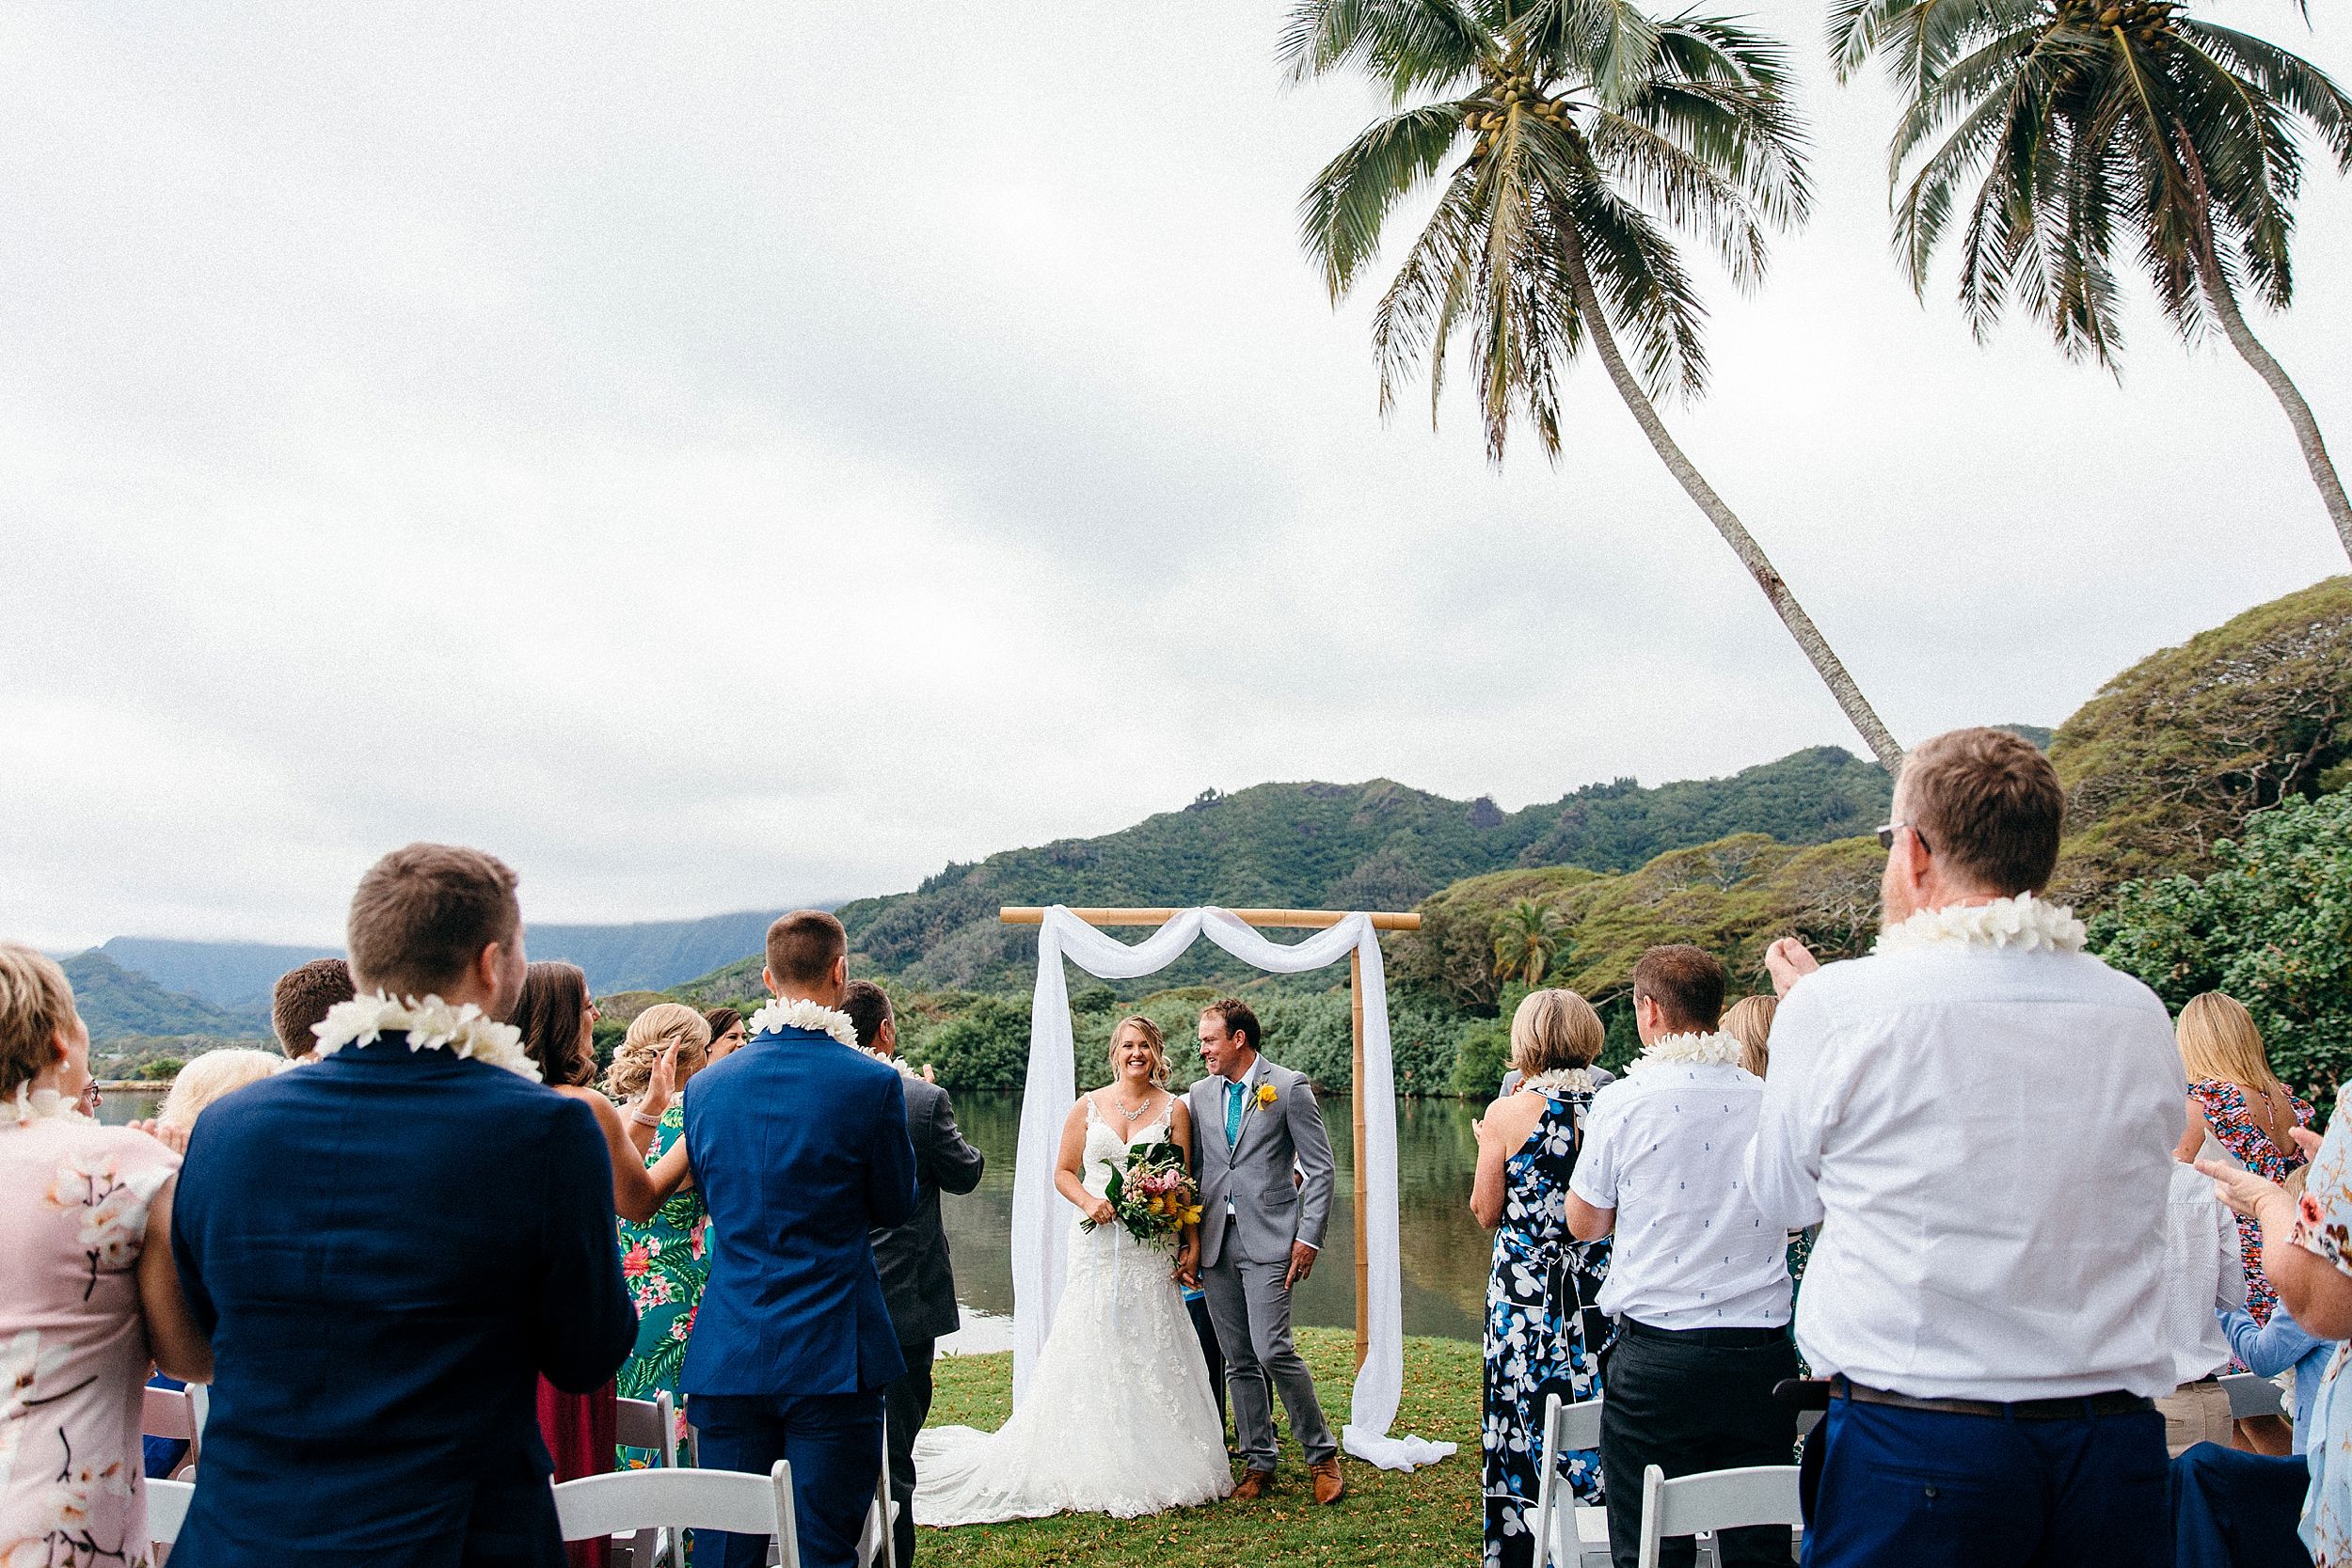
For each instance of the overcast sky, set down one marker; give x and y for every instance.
(721, 455)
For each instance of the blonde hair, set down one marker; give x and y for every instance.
(212, 1075)
(1553, 1029)
(651, 1033)
(2219, 1040)
(36, 1011)
(1151, 1037)
(1750, 1022)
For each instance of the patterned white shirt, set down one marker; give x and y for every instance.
(1667, 1148)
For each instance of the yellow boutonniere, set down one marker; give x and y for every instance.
(1266, 1094)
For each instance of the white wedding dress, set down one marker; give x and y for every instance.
(1120, 1417)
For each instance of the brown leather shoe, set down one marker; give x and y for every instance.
(1329, 1486)
(1252, 1485)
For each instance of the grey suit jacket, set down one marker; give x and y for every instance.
(1270, 1209)
(918, 1279)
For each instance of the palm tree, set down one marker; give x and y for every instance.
(1528, 937)
(2085, 123)
(1592, 130)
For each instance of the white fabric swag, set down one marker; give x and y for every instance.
(1041, 1224)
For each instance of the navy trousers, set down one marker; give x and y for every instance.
(1892, 1488)
(833, 1444)
(2232, 1509)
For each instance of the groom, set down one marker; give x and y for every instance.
(1260, 1230)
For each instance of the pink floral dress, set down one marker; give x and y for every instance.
(74, 1358)
(2234, 1127)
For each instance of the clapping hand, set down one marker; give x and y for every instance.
(172, 1139)
(1789, 960)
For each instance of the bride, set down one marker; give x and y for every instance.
(1119, 1417)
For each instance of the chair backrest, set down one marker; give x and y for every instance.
(1567, 1429)
(1715, 1499)
(168, 1508)
(2252, 1396)
(174, 1414)
(648, 1424)
(625, 1501)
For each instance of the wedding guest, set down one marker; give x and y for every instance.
(2203, 1280)
(666, 1260)
(1545, 1330)
(2237, 1101)
(728, 1032)
(1986, 1328)
(87, 1293)
(919, 1278)
(388, 1246)
(301, 999)
(1749, 1021)
(799, 1145)
(1698, 1282)
(208, 1078)
(2282, 1346)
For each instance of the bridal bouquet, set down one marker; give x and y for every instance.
(1152, 1195)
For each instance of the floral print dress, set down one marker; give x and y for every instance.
(666, 1263)
(73, 1357)
(1544, 1335)
(2234, 1127)
(2326, 1228)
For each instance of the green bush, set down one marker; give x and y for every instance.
(1481, 1055)
(984, 1046)
(161, 1069)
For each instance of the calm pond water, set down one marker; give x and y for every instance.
(1444, 1252)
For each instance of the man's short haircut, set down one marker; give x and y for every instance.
(423, 914)
(1686, 982)
(803, 947)
(302, 999)
(1989, 804)
(867, 1009)
(1238, 1020)
(36, 1009)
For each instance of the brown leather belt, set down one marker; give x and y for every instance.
(2112, 1402)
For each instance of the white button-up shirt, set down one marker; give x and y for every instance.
(2206, 1270)
(1984, 1134)
(1666, 1147)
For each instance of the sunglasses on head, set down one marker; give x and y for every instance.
(1886, 836)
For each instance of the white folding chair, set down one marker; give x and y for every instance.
(1567, 1533)
(2252, 1396)
(171, 1413)
(645, 1424)
(168, 1509)
(628, 1501)
(1715, 1500)
(875, 1547)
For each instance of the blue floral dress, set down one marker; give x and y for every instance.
(1544, 1335)
(2326, 1228)
(665, 1262)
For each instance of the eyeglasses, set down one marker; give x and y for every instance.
(1886, 836)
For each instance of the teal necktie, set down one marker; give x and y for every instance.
(1232, 1113)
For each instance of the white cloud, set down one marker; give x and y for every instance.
(719, 457)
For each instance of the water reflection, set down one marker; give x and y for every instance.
(1444, 1253)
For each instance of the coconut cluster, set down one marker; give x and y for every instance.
(1505, 95)
(2146, 20)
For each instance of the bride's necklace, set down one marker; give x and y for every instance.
(1122, 1107)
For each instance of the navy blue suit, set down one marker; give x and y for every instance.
(799, 1147)
(389, 1247)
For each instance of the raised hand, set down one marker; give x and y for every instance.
(660, 1080)
(172, 1139)
(1788, 962)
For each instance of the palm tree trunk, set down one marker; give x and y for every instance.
(2274, 375)
(1825, 662)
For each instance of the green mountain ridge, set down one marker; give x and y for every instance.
(118, 1003)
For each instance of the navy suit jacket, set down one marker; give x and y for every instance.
(799, 1147)
(389, 1247)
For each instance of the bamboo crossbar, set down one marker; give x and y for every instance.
(1296, 919)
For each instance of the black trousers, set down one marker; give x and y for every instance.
(1198, 1307)
(1694, 1400)
(906, 1405)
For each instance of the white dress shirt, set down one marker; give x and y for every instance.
(2205, 1270)
(1666, 1147)
(1984, 1134)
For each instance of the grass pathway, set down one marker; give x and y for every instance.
(1427, 1516)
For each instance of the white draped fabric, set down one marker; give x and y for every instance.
(1041, 1233)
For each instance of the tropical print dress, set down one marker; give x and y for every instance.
(2326, 1228)
(1544, 1335)
(666, 1262)
(2234, 1127)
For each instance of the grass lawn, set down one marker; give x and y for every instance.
(1428, 1515)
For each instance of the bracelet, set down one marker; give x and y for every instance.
(642, 1119)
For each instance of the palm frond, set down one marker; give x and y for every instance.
(1411, 45)
(1341, 216)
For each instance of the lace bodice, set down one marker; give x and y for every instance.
(1107, 1148)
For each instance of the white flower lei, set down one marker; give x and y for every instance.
(38, 1105)
(431, 1024)
(805, 1013)
(1689, 1050)
(1560, 1079)
(899, 1062)
(2024, 923)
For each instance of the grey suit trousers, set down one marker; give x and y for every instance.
(1252, 1314)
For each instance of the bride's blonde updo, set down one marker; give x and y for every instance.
(1151, 1037)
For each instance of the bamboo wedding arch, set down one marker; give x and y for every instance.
(1038, 1239)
